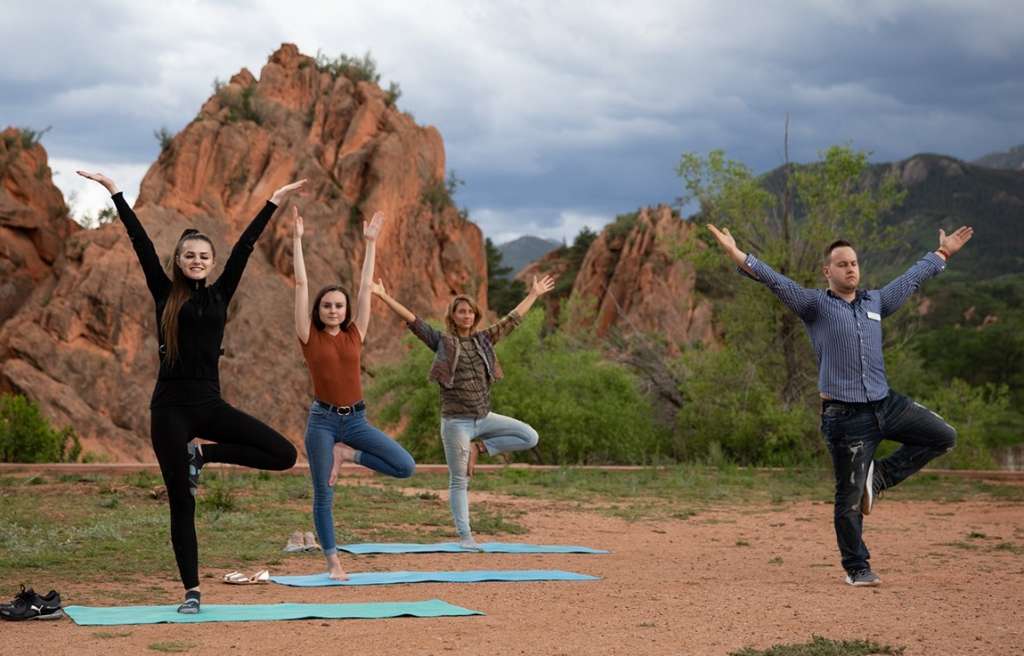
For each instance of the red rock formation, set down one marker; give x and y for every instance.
(639, 285)
(630, 282)
(33, 220)
(87, 352)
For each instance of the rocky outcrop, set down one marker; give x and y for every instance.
(86, 350)
(631, 282)
(34, 220)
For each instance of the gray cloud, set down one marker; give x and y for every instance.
(549, 110)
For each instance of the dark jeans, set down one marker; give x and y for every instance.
(852, 432)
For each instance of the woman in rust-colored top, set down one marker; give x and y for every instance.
(331, 337)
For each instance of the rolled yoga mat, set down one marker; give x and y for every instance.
(453, 547)
(471, 576)
(118, 615)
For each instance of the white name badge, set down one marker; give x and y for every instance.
(874, 315)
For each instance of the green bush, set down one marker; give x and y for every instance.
(439, 194)
(586, 409)
(26, 436)
(394, 92)
(357, 69)
(242, 105)
(731, 414)
(977, 413)
(165, 137)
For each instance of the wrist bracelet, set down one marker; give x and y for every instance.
(942, 251)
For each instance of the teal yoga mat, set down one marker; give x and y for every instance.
(470, 576)
(453, 547)
(117, 615)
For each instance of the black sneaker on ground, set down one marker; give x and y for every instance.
(191, 605)
(872, 490)
(195, 465)
(27, 605)
(863, 577)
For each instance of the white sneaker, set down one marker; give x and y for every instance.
(295, 543)
(469, 544)
(871, 491)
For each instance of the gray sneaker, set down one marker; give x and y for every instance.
(195, 465)
(863, 577)
(469, 544)
(872, 490)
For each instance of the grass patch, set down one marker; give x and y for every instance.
(684, 490)
(1015, 549)
(819, 646)
(106, 635)
(112, 528)
(171, 646)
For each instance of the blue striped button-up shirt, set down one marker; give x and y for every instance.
(847, 337)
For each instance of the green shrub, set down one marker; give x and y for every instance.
(730, 413)
(394, 92)
(29, 138)
(977, 413)
(165, 137)
(26, 436)
(440, 194)
(242, 105)
(622, 225)
(586, 409)
(357, 69)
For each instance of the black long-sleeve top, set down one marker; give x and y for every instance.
(194, 377)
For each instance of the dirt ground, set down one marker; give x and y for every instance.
(713, 583)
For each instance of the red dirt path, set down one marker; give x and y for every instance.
(716, 582)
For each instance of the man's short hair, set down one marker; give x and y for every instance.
(839, 243)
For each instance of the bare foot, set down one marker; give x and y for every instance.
(334, 570)
(476, 449)
(342, 453)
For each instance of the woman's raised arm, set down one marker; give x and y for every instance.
(302, 318)
(371, 231)
(156, 279)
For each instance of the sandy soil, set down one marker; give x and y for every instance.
(716, 582)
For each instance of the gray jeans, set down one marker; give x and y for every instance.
(500, 434)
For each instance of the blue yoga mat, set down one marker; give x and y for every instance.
(471, 576)
(89, 616)
(453, 547)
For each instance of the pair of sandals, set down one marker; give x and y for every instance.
(237, 578)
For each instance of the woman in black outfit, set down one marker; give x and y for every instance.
(186, 401)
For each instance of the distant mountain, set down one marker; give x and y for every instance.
(944, 192)
(520, 252)
(1011, 159)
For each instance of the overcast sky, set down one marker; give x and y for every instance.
(555, 114)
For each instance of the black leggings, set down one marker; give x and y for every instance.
(240, 440)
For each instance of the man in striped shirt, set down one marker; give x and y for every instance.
(858, 408)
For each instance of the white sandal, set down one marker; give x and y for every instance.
(237, 578)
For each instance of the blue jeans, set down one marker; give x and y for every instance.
(374, 450)
(500, 434)
(852, 433)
